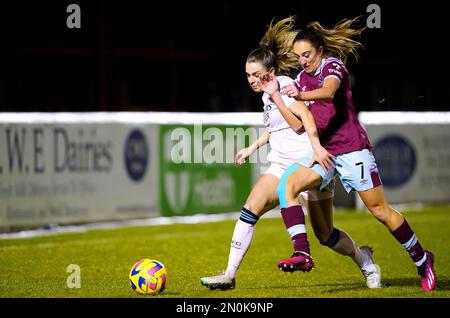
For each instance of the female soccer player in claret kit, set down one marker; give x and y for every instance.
(274, 57)
(325, 86)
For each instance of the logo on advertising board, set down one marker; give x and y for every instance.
(396, 160)
(197, 170)
(136, 154)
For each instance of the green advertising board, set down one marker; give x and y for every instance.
(197, 172)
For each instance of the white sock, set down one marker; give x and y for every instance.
(242, 238)
(347, 247)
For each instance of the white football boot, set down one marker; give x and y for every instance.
(370, 270)
(221, 281)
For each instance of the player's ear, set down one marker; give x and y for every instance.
(272, 71)
(320, 51)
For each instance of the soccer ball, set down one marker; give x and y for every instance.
(148, 277)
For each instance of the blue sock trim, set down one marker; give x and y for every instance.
(281, 189)
(248, 216)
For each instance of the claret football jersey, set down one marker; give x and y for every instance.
(337, 122)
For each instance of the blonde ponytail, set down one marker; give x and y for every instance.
(336, 41)
(275, 47)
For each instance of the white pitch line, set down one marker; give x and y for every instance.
(191, 219)
(155, 221)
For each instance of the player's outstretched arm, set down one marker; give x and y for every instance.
(246, 152)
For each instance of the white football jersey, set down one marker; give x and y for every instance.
(272, 117)
(286, 144)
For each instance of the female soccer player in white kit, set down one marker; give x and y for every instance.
(287, 146)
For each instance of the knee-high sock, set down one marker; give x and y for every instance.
(294, 220)
(242, 238)
(405, 235)
(342, 243)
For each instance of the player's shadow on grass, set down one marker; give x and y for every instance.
(340, 287)
(443, 282)
(333, 287)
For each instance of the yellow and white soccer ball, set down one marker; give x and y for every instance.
(148, 277)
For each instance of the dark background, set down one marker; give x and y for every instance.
(190, 55)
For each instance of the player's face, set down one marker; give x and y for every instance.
(308, 56)
(254, 70)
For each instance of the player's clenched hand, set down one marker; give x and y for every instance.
(268, 83)
(241, 155)
(291, 91)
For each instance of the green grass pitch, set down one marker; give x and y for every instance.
(36, 267)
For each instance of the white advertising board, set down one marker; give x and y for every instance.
(412, 151)
(72, 172)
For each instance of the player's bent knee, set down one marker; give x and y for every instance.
(285, 193)
(293, 186)
(282, 190)
(291, 189)
(380, 212)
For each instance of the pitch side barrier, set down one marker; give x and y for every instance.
(412, 150)
(71, 168)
